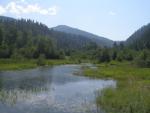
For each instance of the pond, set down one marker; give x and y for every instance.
(49, 90)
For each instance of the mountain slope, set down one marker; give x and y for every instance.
(140, 39)
(69, 41)
(23, 32)
(97, 39)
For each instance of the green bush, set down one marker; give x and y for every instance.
(41, 60)
(143, 59)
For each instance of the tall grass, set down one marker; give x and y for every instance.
(11, 97)
(132, 94)
(9, 64)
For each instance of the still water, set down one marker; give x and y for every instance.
(49, 90)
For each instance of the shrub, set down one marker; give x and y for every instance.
(143, 59)
(41, 60)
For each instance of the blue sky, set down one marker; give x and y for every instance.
(114, 19)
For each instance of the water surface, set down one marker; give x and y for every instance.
(49, 90)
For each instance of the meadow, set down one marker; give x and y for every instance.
(132, 94)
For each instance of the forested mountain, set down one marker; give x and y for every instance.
(97, 39)
(140, 39)
(70, 41)
(25, 38)
(30, 39)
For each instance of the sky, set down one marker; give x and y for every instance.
(113, 19)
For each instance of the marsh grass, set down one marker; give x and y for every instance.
(11, 97)
(131, 99)
(10, 64)
(132, 94)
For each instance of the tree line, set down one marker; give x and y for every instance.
(29, 39)
(25, 38)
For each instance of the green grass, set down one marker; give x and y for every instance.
(59, 62)
(125, 100)
(132, 94)
(9, 64)
(118, 71)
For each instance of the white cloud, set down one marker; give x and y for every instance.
(53, 10)
(12, 8)
(2, 10)
(19, 8)
(112, 13)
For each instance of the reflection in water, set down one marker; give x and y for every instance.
(49, 90)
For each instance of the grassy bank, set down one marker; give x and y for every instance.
(9, 64)
(132, 94)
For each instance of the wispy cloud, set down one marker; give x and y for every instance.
(19, 0)
(19, 7)
(112, 13)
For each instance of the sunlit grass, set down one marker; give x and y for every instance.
(132, 94)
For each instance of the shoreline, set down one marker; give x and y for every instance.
(9, 64)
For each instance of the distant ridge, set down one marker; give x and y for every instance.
(95, 38)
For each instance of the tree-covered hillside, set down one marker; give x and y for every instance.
(102, 41)
(27, 38)
(140, 39)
